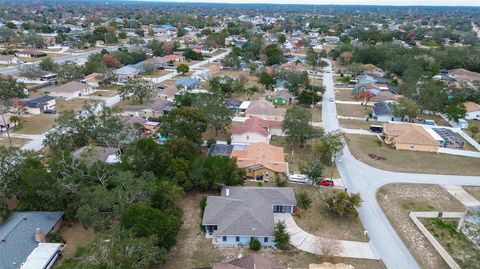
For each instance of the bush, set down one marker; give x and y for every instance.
(210, 142)
(260, 184)
(344, 204)
(279, 182)
(55, 238)
(282, 238)
(255, 244)
(203, 204)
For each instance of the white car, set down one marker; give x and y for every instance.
(298, 178)
(331, 99)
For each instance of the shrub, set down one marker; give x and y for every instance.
(255, 244)
(282, 238)
(260, 184)
(344, 204)
(279, 182)
(210, 142)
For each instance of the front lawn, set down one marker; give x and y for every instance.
(356, 124)
(36, 124)
(16, 142)
(353, 110)
(410, 161)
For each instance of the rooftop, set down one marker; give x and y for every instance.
(263, 154)
(406, 133)
(254, 261)
(70, 87)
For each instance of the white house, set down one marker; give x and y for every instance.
(40, 104)
(473, 111)
(8, 59)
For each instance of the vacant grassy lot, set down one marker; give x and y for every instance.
(411, 161)
(356, 124)
(157, 73)
(298, 158)
(76, 236)
(16, 142)
(462, 250)
(353, 110)
(75, 104)
(317, 113)
(193, 250)
(36, 124)
(104, 93)
(473, 190)
(320, 221)
(248, 80)
(344, 95)
(398, 200)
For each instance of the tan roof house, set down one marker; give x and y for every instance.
(408, 136)
(473, 111)
(92, 80)
(265, 110)
(71, 90)
(261, 161)
(463, 75)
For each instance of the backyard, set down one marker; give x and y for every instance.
(410, 161)
(398, 200)
(462, 250)
(353, 110)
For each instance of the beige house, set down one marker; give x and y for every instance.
(71, 90)
(265, 110)
(408, 136)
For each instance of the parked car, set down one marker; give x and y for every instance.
(327, 182)
(298, 178)
(50, 111)
(331, 99)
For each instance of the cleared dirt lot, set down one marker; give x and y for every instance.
(398, 200)
(410, 161)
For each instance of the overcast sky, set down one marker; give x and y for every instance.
(348, 2)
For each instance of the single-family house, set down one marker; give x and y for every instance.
(92, 80)
(232, 104)
(8, 59)
(473, 111)
(407, 136)
(174, 58)
(387, 97)
(243, 213)
(282, 98)
(39, 104)
(464, 76)
(265, 110)
(254, 261)
(167, 93)
(5, 122)
(224, 150)
(254, 130)
(125, 73)
(382, 112)
(91, 154)
(261, 161)
(71, 90)
(331, 40)
(22, 233)
(157, 109)
(187, 83)
(30, 54)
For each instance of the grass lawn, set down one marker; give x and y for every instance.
(411, 161)
(157, 73)
(76, 236)
(473, 190)
(356, 124)
(299, 157)
(462, 250)
(193, 250)
(398, 200)
(36, 124)
(344, 95)
(248, 79)
(16, 142)
(353, 110)
(320, 221)
(104, 93)
(73, 104)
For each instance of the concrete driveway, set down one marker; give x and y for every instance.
(315, 244)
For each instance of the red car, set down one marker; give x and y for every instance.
(327, 182)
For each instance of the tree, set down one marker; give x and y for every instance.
(9, 89)
(213, 172)
(11, 159)
(433, 96)
(231, 60)
(344, 204)
(474, 130)
(190, 54)
(314, 170)
(255, 245)
(213, 107)
(30, 71)
(296, 126)
(455, 109)
(282, 39)
(68, 71)
(137, 88)
(312, 57)
(183, 68)
(406, 107)
(94, 64)
(266, 79)
(328, 146)
(274, 55)
(303, 200)
(185, 122)
(110, 61)
(328, 247)
(355, 69)
(47, 64)
(282, 238)
(365, 96)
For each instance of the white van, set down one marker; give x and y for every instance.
(298, 178)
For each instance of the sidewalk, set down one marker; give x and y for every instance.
(461, 195)
(459, 152)
(313, 244)
(356, 131)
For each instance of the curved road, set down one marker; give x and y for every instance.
(362, 178)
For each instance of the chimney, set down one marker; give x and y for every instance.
(227, 192)
(40, 235)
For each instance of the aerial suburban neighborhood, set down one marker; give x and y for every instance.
(253, 135)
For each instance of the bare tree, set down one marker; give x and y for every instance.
(328, 248)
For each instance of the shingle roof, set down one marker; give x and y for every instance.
(246, 210)
(406, 133)
(381, 109)
(471, 106)
(39, 101)
(262, 107)
(186, 82)
(126, 70)
(17, 235)
(70, 87)
(263, 154)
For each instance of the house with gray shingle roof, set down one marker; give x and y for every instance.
(18, 235)
(243, 213)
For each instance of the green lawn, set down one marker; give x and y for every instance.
(353, 110)
(36, 124)
(411, 161)
(356, 124)
(73, 104)
(16, 142)
(462, 250)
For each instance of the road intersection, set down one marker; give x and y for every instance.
(366, 180)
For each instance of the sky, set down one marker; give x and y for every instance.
(347, 2)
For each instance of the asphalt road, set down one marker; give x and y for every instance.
(362, 178)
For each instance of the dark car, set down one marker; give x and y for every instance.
(50, 111)
(327, 182)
